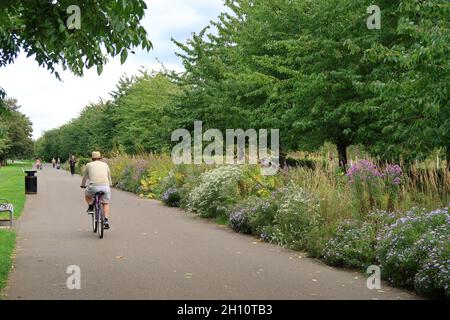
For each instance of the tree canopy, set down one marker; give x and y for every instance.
(312, 69)
(15, 133)
(40, 28)
(136, 119)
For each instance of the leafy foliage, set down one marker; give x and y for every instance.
(137, 119)
(39, 28)
(15, 133)
(314, 70)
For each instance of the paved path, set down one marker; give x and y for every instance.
(155, 252)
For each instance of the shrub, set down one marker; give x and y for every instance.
(125, 182)
(254, 183)
(353, 245)
(80, 164)
(264, 211)
(159, 167)
(117, 164)
(366, 180)
(239, 220)
(393, 177)
(296, 216)
(168, 182)
(414, 251)
(252, 215)
(188, 177)
(216, 192)
(171, 197)
(433, 278)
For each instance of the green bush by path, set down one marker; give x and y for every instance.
(414, 251)
(7, 241)
(216, 191)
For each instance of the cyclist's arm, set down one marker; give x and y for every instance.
(109, 177)
(85, 177)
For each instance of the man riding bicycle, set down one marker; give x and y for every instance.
(99, 177)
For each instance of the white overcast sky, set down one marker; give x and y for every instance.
(50, 103)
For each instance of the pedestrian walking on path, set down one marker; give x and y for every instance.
(38, 164)
(72, 163)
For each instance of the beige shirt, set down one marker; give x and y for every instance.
(98, 174)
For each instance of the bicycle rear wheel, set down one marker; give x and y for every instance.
(94, 216)
(94, 222)
(101, 221)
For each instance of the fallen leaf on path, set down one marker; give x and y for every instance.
(119, 257)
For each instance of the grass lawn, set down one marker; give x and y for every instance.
(12, 185)
(7, 241)
(12, 188)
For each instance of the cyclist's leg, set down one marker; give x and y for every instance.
(89, 200)
(89, 197)
(106, 210)
(105, 201)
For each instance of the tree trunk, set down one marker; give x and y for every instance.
(342, 152)
(448, 158)
(283, 156)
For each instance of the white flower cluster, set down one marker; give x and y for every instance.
(217, 188)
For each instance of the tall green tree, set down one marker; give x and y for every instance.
(412, 88)
(314, 70)
(138, 118)
(15, 133)
(143, 115)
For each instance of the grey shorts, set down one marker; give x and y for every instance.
(92, 190)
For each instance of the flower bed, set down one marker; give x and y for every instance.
(353, 220)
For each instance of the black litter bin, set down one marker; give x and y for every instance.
(30, 182)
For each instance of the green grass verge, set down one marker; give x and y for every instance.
(12, 188)
(7, 241)
(12, 185)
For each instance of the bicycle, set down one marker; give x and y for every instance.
(98, 218)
